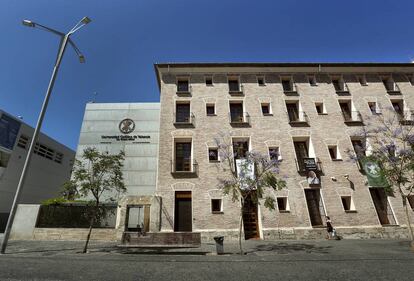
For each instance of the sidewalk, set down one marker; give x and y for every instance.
(260, 248)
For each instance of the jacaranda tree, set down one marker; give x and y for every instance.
(247, 176)
(389, 144)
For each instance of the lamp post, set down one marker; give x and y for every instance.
(64, 40)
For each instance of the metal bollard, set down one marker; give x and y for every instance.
(219, 244)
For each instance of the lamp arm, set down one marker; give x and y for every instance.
(49, 29)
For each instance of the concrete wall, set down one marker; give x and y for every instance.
(140, 165)
(273, 130)
(24, 222)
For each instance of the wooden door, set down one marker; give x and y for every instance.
(182, 113)
(313, 201)
(250, 219)
(301, 150)
(383, 208)
(346, 111)
(236, 112)
(240, 148)
(293, 112)
(183, 211)
(182, 156)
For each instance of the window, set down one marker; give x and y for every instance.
(216, 206)
(287, 84)
(266, 109)
(41, 150)
(236, 112)
(183, 86)
(302, 152)
(373, 108)
(23, 141)
(359, 147)
(58, 157)
(334, 152)
(410, 199)
(182, 111)
(261, 81)
(410, 78)
(4, 159)
(234, 85)
(362, 80)
(312, 80)
(391, 149)
(209, 81)
(347, 113)
(213, 154)
(44, 151)
(320, 108)
(347, 203)
(339, 84)
(293, 112)
(282, 204)
(183, 156)
(296, 115)
(389, 84)
(274, 153)
(211, 109)
(398, 106)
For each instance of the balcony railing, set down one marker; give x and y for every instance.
(185, 168)
(306, 164)
(393, 90)
(184, 121)
(407, 118)
(343, 91)
(185, 92)
(299, 120)
(236, 91)
(352, 118)
(240, 119)
(291, 91)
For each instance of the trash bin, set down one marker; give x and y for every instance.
(219, 244)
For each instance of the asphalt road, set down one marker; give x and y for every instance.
(294, 260)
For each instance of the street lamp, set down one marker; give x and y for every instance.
(64, 40)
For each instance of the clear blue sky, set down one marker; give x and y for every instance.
(125, 38)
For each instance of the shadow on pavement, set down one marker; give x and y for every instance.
(146, 251)
(285, 248)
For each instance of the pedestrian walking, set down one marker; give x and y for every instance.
(329, 228)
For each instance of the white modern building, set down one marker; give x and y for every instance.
(50, 166)
(132, 128)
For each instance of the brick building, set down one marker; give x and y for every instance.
(297, 111)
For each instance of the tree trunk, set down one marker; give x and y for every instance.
(408, 222)
(85, 248)
(240, 230)
(241, 226)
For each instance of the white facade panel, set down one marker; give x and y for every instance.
(101, 129)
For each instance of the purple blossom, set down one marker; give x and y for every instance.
(410, 139)
(397, 132)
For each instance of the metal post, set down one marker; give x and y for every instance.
(13, 210)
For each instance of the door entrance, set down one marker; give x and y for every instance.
(301, 150)
(183, 212)
(315, 206)
(250, 220)
(137, 218)
(382, 206)
(240, 149)
(293, 113)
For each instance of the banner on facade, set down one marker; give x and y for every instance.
(245, 171)
(373, 172)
